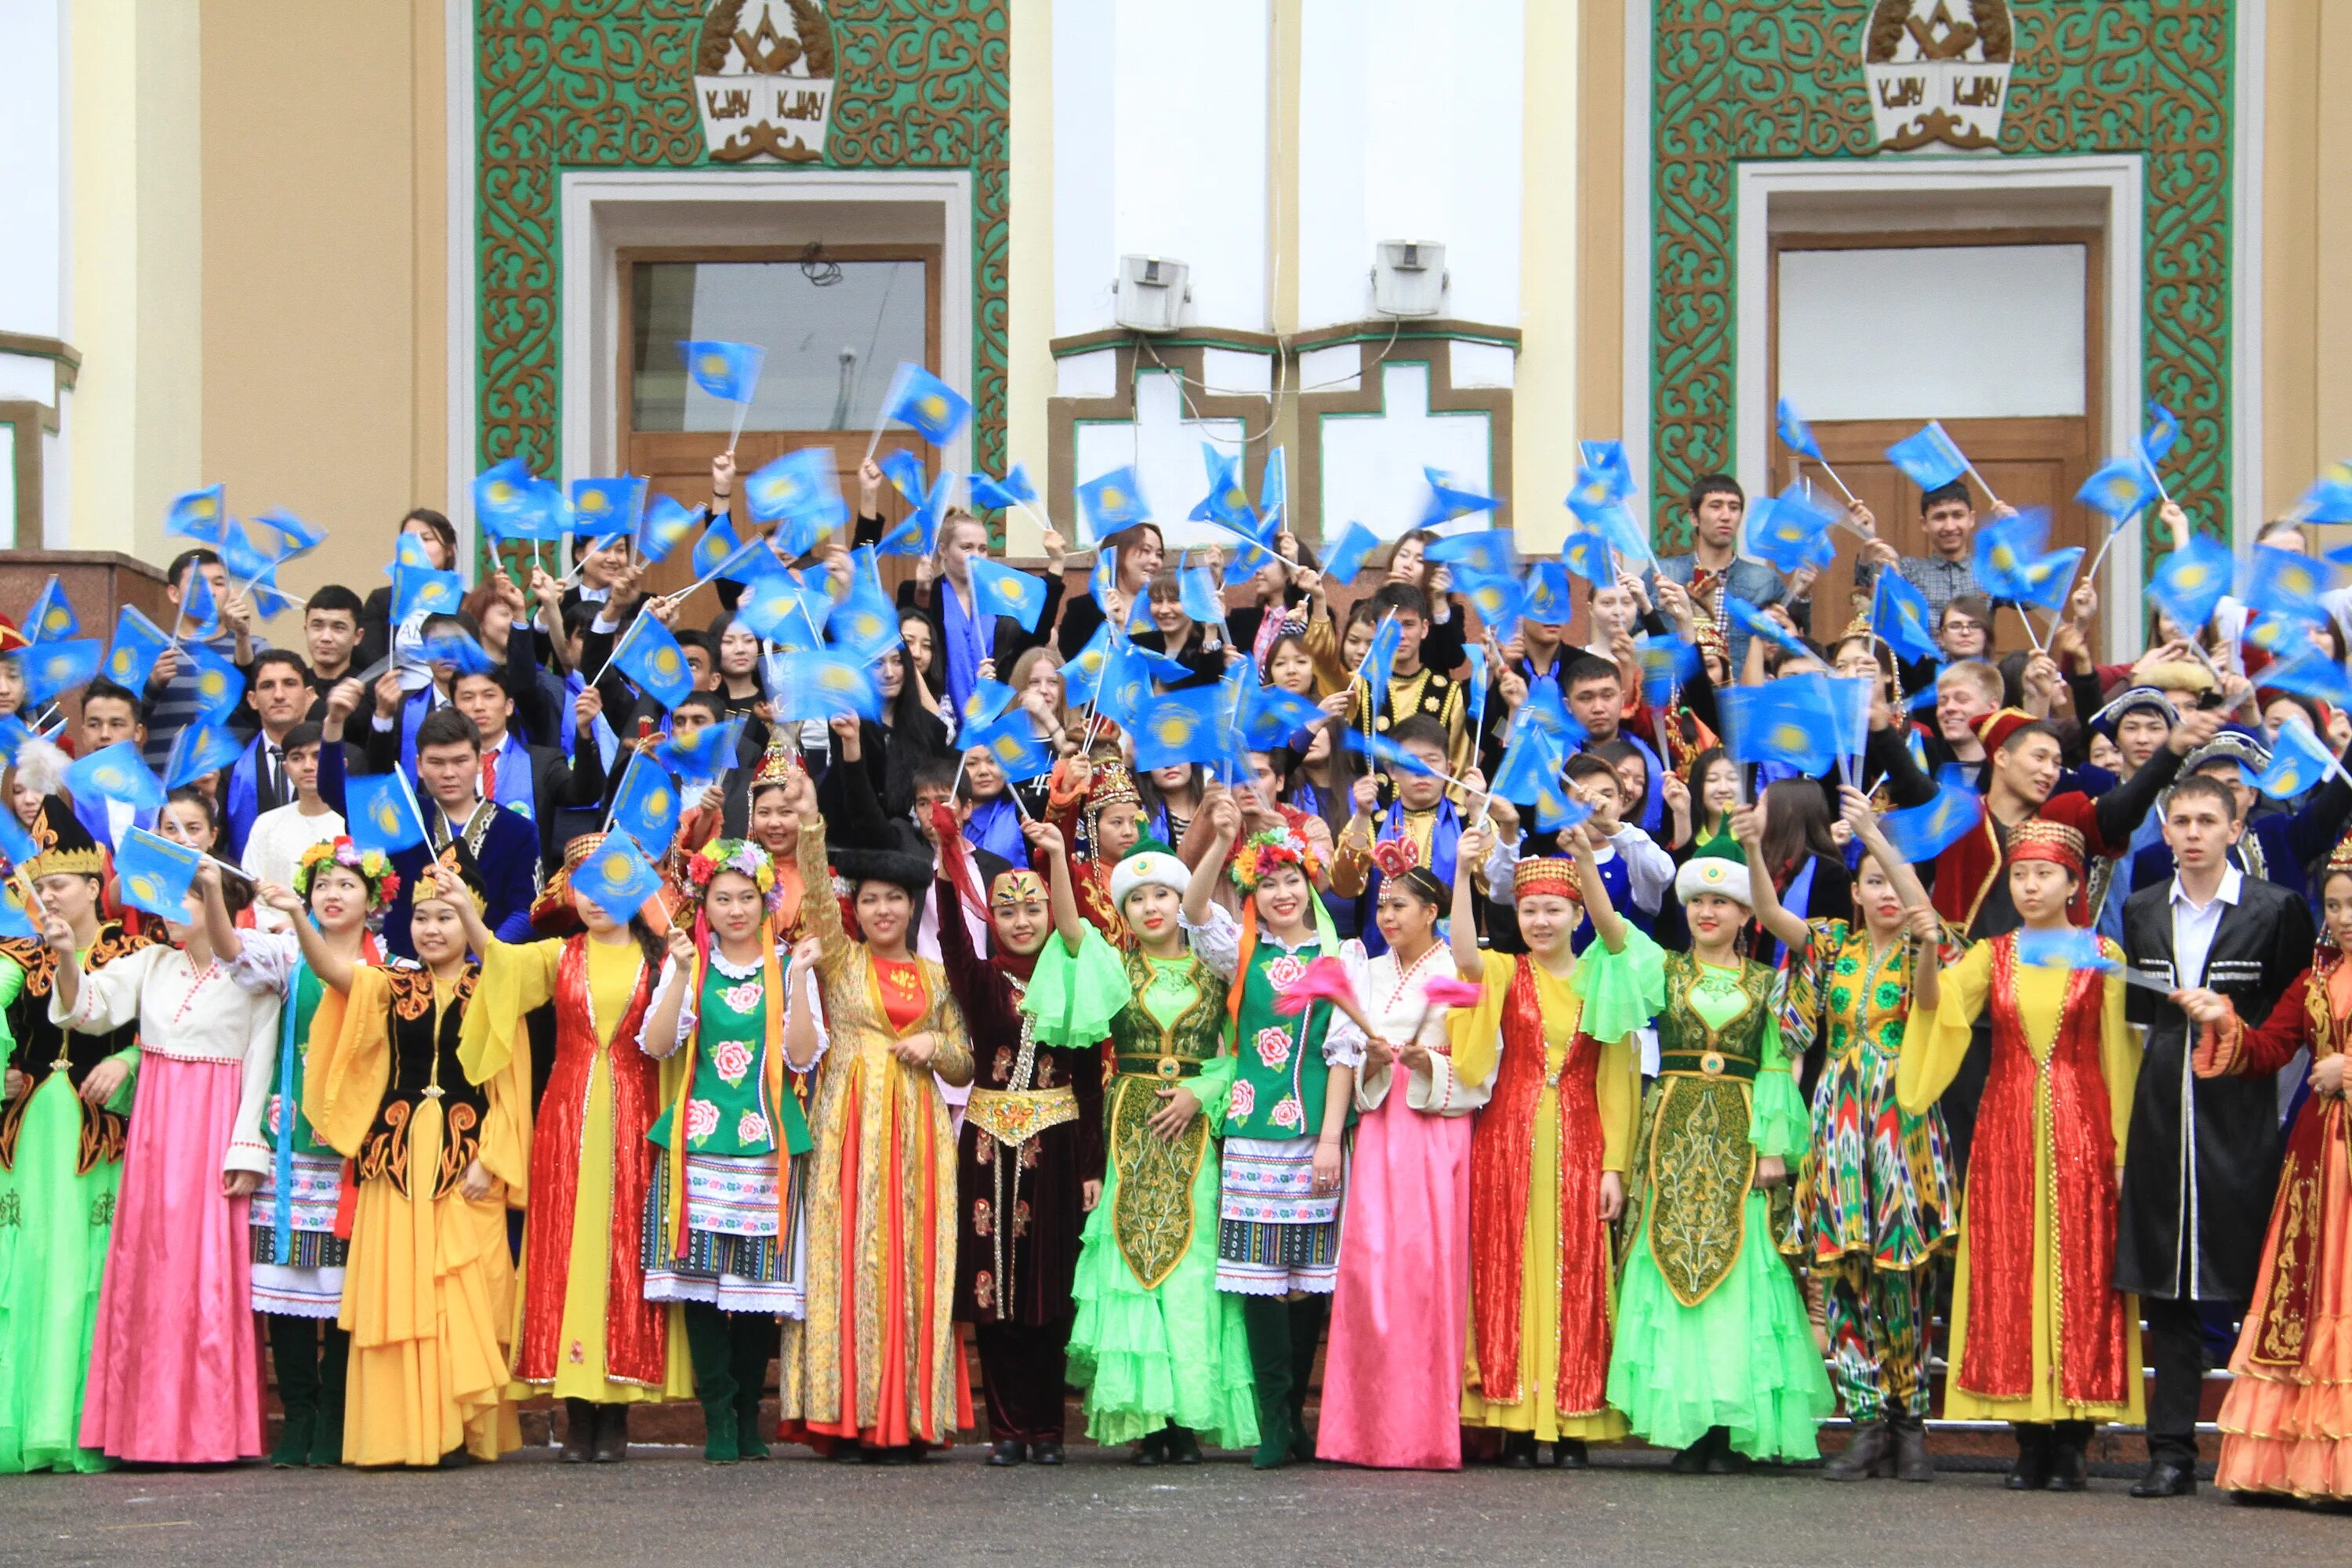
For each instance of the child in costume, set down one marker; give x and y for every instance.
(1714, 1353)
(2040, 1336)
(1159, 1351)
(1284, 1158)
(174, 1364)
(62, 1131)
(297, 1260)
(1029, 1158)
(1550, 1046)
(723, 1215)
(2287, 1422)
(1875, 1202)
(439, 1141)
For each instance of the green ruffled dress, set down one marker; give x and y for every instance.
(1711, 1328)
(1155, 1342)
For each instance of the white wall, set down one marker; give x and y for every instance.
(1160, 148)
(1373, 463)
(1163, 444)
(1410, 121)
(1975, 332)
(33, 215)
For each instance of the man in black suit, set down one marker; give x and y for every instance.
(533, 782)
(942, 589)
(2202, 1156)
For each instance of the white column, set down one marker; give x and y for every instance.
(34, 215)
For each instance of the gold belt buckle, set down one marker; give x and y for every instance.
(1169, 1069)
(434, 1092)
(1711, 1064)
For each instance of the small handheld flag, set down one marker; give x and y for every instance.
(199, 611)
(2063, 947)
(2282, 583)
(1013, 489)
(1586, 553)
(154, 874)
(1783, 721)
(647, 807)
(1447, 502)
(999, 590)
(651, 656)
(663, 529)
(116, 773)
(799, 484)
(2312, 674)
(986, 699)
(718, 544)
(820, 686)
(1270, 716)
(1181, 727)
(1930, 458)
(52, 617)
(200, 748)
(603, 507)
(54, 668)
(383, 813)
(2120, 488)
(2299, 759)
(295, 536)
(1799, 437)
(706, 754)
(1898, 614)
(933, 407)
(723, 370)
(421, 591)
(1201, 600)
(616, 878)
(1347, 554)
(1110, 503)
(1013, 743)
(1920, 833)
(1379, 657)
(199, 515)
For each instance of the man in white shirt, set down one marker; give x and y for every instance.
(274, 846)
(2202, 1159)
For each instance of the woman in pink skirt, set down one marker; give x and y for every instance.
(1393, 1369)
(176, 1363)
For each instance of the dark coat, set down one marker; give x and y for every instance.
(2231, 1169)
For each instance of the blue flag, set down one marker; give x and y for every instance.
(1112, 503)
(1556, 809)
(1545, 709)
(2311, 673)
(52, 617)
(505, 502)
(1379, 659)
(1782, 533)
(204, 747)
(2048, 579)
(2006, 548)
(922, 400)
(199, 611)
(1930, 460)
(1347, 554)
(604, 507)
(1788, 721)
(449, 645)
(999, 590)
(905, 472)
(2190, 582)
(1181, 727)
(2163, 429)
(616, 878)
(1795, 434)
(729, 371)
(1531, 762)
(663, 529)
(295, 537)
(986, 699)
(16, 845)
(2282, 583)
(1013, 743)
(1499, 600)
(1604, 479)
(220, 685)
(116, 773)
(154, 874)
(1476, 554)
(1756, 623)
(772, 607)
(1082, 676)
(718, 544)
(239, 559)
(1247, 559)
(1013, 489)
(421, 591)
(1274, 493)
(1447, 502)
(1920, 833)
(1549, 595)
(2299, 759)
(1381, 749)
(2120, 488)
(1227, 502)
(1898, 613)
(650, 656)
(1270, 716)
(200, 515)
(799, 484)
(383, 813)
(1201, 598)
(706, 754)
(1668, 661)
(1586, 553)
(820, 686)
(2063, 947)
(51, 668)
(647, 807)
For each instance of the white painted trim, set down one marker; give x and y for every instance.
(590, 296)
(1640, 231)
(463, 324)
(2117, 176)
(2247, 120)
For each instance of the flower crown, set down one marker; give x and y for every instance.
(371, 866)
(1265, 851)
(740, 856)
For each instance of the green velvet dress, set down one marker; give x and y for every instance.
(1711, 1328)
(1155, 1344)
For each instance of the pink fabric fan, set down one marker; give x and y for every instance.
(1452, 993)
(1326, 980)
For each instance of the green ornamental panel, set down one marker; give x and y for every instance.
(1782, 80)
(609, 84)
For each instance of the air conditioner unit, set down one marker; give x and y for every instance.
(1152, 291)
(1408, 278)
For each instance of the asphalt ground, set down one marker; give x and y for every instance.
(666, 1508)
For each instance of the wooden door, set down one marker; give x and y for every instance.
(835, 321)
(2028, 462)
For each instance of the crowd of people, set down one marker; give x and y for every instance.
(1494, 1027)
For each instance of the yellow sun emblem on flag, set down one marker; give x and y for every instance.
(1789, 737)
(146, 888)
(2191, 575)
(1109, 496)
(594, 500)
(203, 506)
(108, 777)
(615, 868)
(1173, 729)
(1008, 748)
(387, 816)
(500, 490)
(714, 365)
(835, 678)
(56, 619)
(665, 661)
(934, 407)
(657, 803)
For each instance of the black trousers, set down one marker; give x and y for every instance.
(1021, 1373)
(2176, 1355)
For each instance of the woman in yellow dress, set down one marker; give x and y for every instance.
(2037, 1214)
(874, 1371)
(586, 1333)
(439, 1152)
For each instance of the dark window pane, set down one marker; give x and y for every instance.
(831, 345)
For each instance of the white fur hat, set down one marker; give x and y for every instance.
(1712, 874)
(1147, 866)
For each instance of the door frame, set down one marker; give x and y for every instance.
(2118, 390)
(626, 256)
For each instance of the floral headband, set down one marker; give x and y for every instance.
(1265, 851)
(370, 866)
(740, 856)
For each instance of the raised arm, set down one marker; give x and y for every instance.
(1046, 840)
(1747, 826)
(1608, 925)
(1224, 822)
(220, 926)
(1461, 930)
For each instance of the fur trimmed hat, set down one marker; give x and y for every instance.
(1150, 864)
(1714, 869)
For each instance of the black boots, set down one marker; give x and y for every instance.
(294, 1353)
(579, 1431)
(594, 1434)
(612, 1434)
(2167, 1476)
(2052, 1457)
(334, 1376)
(1712, 1454)
(1911, 1460)
(1870, 1453)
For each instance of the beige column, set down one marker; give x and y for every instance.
(1029, 262)
(1545, 415)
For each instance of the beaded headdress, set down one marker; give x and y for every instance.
(2038, 838)
(1546, 874)
(1014, 888)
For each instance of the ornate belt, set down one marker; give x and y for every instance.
(1169, 1067)
(1706, 1064)
(1014, 1116)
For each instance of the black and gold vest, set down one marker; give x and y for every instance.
(425, 1067)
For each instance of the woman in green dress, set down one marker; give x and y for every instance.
(1715, 1354)
(61, 1140)
(1159, 1352)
